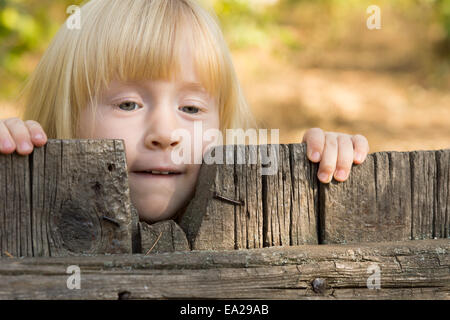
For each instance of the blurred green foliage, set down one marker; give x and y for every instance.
(27, 26)
(249, 23)
(443, 16)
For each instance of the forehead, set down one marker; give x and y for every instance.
(177, 84)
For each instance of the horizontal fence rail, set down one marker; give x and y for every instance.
(418, 269)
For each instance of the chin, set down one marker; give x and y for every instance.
(153, 215)
(160, 207)
(152, 211)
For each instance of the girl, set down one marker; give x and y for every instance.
(137, 70)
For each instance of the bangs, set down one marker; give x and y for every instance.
(131, 40)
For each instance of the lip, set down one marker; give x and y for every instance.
(145, 175)
(144, 172)
(158, 168)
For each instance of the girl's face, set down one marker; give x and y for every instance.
(144, 114)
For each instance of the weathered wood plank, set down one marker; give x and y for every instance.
(209, 222)
(305, 196)
(291, 199)
(408, 270)
(442, 219)
(164, 236)
(248, 182)
(15, 218)
(226, 212)
(370, 205)
(423, 193)
(254, 210)
(392, 196)
(277, 201)
(72, 199)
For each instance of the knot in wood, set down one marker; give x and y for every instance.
(319, 285)
(124, 295)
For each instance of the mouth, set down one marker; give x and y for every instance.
(157, 173)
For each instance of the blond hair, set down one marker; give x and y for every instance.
(130, 40)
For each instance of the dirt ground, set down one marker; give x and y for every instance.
(390, 109)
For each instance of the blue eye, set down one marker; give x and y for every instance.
(128, 106)
(190, 109)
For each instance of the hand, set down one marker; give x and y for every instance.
(16, 135)
(336, 152)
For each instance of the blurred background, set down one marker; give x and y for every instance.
(302, 64)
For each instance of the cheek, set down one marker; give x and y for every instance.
(93, 125)
(212, 136)
(104, 126)
(85, 125)
(107, 128)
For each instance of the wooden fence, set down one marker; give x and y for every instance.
(244, 235)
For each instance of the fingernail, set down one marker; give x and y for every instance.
(315, 156)
(7, 144)
(25, 146)
(323, 177)
(38, 136)
(340, 174)
(358, 157)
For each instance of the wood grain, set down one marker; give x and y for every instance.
(442, 218)
(237, 206)
(15, 218)
(67, 197)
(163, 236)
(248, 182)
(290, 199)
(417, 269)
(209, 223)
(392, 196)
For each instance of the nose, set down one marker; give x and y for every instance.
(161, 125)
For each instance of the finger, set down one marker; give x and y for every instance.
(38, 136)
(7, 144)
(329, 157)
(344, 158)
(360, 148)
(20, 135)
(315, 140)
